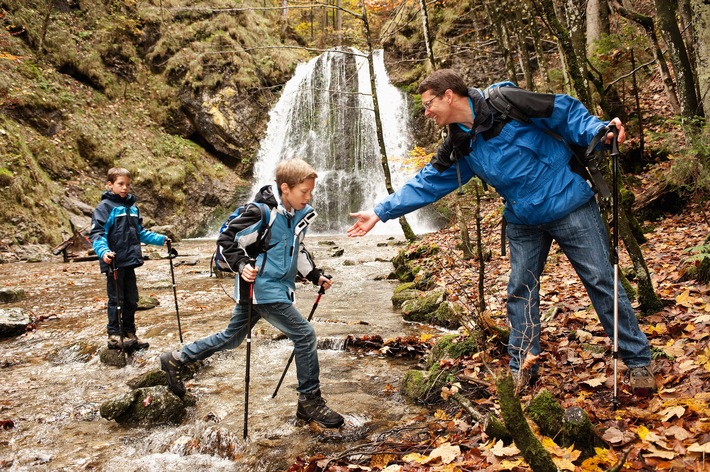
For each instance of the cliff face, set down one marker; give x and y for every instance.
(174, 92)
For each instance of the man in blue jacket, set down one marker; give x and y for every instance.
(545, 200)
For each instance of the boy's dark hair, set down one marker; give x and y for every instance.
(442, 80)
(293, 172)
(116, 172)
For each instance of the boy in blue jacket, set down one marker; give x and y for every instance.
(545, 200)
(116, 235)
(274, 279)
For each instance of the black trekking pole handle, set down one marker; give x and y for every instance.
(172, 253)
(321, 291)
(119, 302)
(252, 263)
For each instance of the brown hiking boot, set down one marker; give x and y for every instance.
(642, 381)
(312, 407)
(173, 368)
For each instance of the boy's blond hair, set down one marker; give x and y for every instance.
(116, 172)
(293, 172)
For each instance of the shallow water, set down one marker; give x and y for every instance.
(54, 406)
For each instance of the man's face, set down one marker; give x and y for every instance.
(436, 107)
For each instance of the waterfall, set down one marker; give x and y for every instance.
(325, 116)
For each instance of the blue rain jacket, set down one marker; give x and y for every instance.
(528, 168)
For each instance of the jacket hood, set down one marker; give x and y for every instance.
(267, 196)
(128, 201)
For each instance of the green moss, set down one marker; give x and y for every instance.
(452, 346)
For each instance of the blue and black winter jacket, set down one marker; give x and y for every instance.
(529, 168)
(286, 256)
(116, 225)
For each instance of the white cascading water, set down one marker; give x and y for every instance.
(325, 116)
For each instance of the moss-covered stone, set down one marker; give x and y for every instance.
(423, 308)
(451, 346)
(145, 406)
(423, 386)
(547, 413)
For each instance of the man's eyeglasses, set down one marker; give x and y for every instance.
(427, 104)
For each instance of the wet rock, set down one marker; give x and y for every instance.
(158, 377)
(13, 322)
(79, 351)
(113, 357)
(11, 294)
(148, 406)
(404, 292)
(146, 303)
(426, 308)
(337, 252)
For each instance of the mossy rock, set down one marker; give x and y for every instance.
(404, 292)
(423, 308)
(146, 303)
(547, 413)
(451, 346)
(423, 386)
(146, 407)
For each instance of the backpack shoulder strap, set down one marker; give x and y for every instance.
(495, 97)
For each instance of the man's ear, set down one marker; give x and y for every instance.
(283, 187)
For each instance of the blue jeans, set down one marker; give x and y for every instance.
(583, 238)
(283, 316)
(126, 297)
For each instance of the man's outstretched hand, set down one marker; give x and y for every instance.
(366, 220)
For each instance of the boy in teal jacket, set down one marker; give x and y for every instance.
(274, 277)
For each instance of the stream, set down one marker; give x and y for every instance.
(53, 404)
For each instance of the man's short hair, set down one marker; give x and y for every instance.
(441, 80)
(116, 172)
(293, 172)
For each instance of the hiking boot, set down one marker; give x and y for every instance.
(137, 343)
(116, 342)
(173, 369)
(642, 381)
(312, 407)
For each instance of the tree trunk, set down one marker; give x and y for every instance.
(284, 20)
(666, 19)
(339, 20)
(701, 20)
(534, 453)
(497, 17)
(427, 35)
(408, 233)
(646, 23)
(521, 33)
(539, 51)
(573, 61)
(597, 23)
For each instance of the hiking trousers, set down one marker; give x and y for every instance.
(583, 238)
(127, 296)
(283, 316)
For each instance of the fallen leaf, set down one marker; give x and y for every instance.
(695, 447)
(446, 452)
(616, 436)
(595, 382)
(672, 411)
(500, 450)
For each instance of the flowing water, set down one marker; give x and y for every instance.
(54, 405)
(325, 115)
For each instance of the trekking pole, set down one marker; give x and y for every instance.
(250, 302)
(119, 308)
(615, 257)
(172, 253)
(321, 291)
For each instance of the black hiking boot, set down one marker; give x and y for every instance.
(312, 407)
(173, 369)
(138, 344)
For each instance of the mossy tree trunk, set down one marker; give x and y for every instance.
(532, 450)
